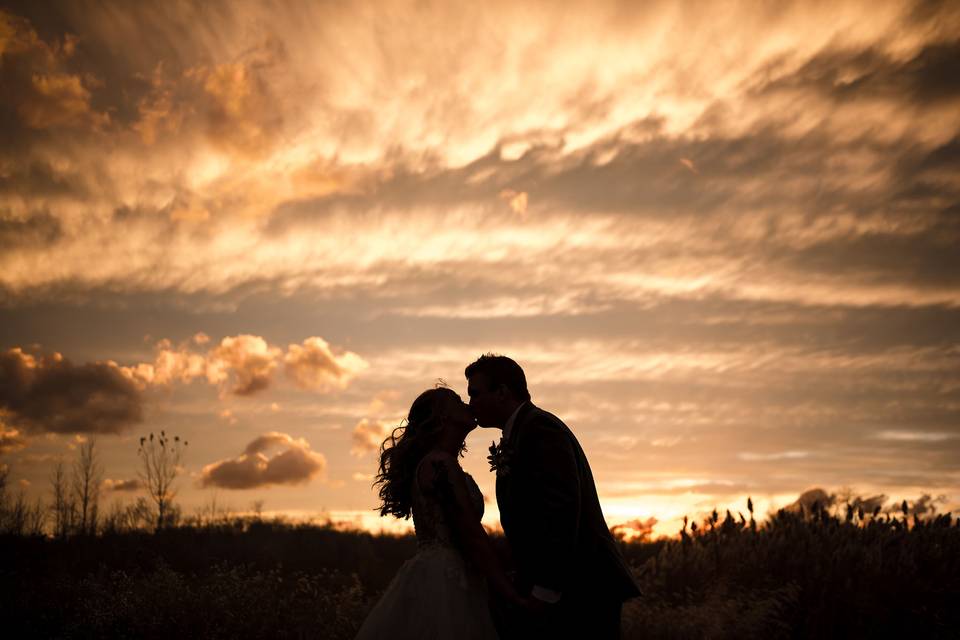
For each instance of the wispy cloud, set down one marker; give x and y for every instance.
(11, 440)
(778, 455)
(916, 436)
(132, 484)
(367, 436)
(323, 210)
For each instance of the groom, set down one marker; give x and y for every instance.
(565, 557)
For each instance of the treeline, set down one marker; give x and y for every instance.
(810, 573)
(75, 492)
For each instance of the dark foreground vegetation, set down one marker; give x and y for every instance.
(808, 575)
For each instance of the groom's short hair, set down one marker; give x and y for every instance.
(500, 370)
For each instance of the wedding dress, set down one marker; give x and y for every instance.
(436, 595)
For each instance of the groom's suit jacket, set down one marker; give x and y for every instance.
(551, 515)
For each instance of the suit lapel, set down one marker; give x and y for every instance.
(504, 483)
(522, 417)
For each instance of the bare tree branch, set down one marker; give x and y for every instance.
(87, 477)
(160, 461)
(63, 508)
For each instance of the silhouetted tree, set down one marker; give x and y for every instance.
(17, 517)
(87, 477)
(5, 506)
(122, 518)
(62, 509)
(160, 458)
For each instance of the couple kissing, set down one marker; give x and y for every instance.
(561, 575)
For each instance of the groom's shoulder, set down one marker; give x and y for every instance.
(545, 419)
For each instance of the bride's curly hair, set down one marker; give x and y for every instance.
(404, 448)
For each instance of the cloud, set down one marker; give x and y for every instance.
(132, 484)
(248, 359)
(915, 436)
(634, 529)
(48, 393)
(926, 504)
(367, 436)
(314, 366)
(869, 503)
(43, 92)
(516, 199)
(757, 248)
(384, 401)
(675, 487)
(607, 158)
(229, 104)
(34, 230)
(11, 440)
(245, 364)
(812, 497)
(294, 464)
(780, 455)
(173, 365)
(871, 73)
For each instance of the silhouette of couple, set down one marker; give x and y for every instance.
(564, 576)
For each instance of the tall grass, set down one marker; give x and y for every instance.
(805, 575)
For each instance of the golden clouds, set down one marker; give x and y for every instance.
(228, 105)
(239, 108)
(156, 110)
(367, 436)
(10, 439)
(58, 100)
(312, 365)
(723, 219)
(132, 484)
(229, 85)
(294, 464)
(516, 199)
(634, 529)
(35, 78)
(248, 358)
(245, 364)
(682, 174)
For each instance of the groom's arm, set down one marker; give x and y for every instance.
(551, 483)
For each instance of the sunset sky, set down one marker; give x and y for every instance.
(722, 239)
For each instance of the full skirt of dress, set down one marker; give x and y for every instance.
(434, 596)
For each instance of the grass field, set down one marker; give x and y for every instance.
(805, 575)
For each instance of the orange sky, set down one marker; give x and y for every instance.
(721, 238)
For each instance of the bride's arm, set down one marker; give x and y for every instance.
(442, 476)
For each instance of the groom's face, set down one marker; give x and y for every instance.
(486, 403)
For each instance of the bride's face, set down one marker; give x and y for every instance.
(457, 413)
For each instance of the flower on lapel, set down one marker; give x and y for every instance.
(500, 458)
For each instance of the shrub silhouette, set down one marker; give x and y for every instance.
(798, 574)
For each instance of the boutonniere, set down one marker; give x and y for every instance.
(500, 458)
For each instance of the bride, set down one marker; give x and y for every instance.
(440, 592)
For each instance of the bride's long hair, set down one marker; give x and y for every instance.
(405, 447)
